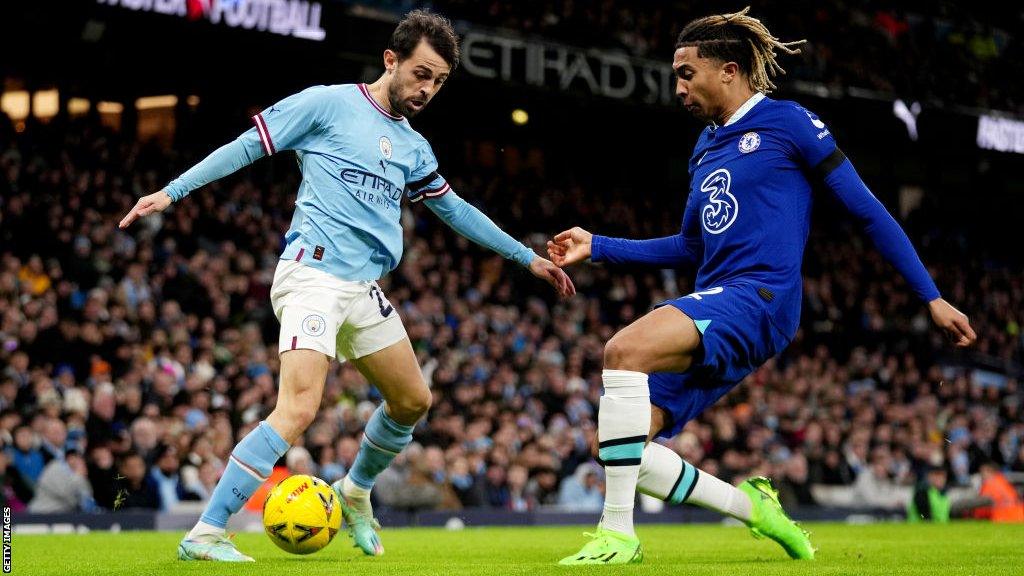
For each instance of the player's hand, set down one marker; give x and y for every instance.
(953, 321)
(156, 202)
(570, 247)
(543, 268)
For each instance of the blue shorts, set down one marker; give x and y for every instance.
(737, 336)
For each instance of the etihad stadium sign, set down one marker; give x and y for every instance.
(538, 63)
(297, 18)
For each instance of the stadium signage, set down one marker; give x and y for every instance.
(536, 63)
(1002, 134)
(297, 18)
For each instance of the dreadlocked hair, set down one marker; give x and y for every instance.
(742, 39)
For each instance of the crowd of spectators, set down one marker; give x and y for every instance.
(132, 361)
(942, 52)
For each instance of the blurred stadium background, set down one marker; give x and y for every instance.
(132, 362)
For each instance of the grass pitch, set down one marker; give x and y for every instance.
(890, 549)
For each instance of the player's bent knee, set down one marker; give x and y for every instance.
(622, 353)
(411, 407)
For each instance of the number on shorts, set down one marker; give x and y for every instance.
(385, 307)
(700, 295)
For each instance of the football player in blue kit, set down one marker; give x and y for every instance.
(359, 159)
(744, 229)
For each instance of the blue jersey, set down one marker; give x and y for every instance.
(358, 162)
(747, 216)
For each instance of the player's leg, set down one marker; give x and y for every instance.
(306, 344)
(663, 340)
(302, 380)
(376, 342)
(665, 475)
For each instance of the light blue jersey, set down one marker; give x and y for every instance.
(357, 163)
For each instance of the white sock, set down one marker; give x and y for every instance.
(720, 496)
(203, 529)
(623, 422)
(358, 496)
(664, 475)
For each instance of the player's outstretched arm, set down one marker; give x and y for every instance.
(225, 160)
(576, 244)
(465, 219)
(283, 126)
(890, 239)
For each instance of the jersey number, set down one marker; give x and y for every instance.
(385, 307)
(700, 295)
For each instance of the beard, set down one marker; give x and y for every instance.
(399, 105)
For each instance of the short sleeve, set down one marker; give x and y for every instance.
(812, 141)
(424, 181)
(285, 125)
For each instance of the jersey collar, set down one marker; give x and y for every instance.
(366, 92)
(742, 110)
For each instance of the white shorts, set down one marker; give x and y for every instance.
(342, 319)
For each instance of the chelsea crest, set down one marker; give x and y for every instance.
(749, 142)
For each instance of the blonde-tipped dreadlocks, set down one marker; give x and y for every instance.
(742, 39)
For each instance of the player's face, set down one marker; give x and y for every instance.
(415, 80)
(699, 84)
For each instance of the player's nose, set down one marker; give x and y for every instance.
(681, 90)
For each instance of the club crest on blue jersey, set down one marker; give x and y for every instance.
(314, 325)
(749, 142)
(722, 207)
(385, 147)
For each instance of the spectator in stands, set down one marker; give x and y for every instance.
(63, 487)
(14, 491)
(874, 487)
(102, 475)
(794, 486)
(26, 456)
(583, 491)
(54, 436)
(138, 489)
(299, 461)
(164, 473)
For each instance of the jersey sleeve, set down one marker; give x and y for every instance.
(810, 139)
(424, 181)
(683, 249)
(288, 124)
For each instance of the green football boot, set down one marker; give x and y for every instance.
(607, 547)
(769, 520)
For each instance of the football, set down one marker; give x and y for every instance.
(301, 514)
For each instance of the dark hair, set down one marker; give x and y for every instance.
(741, 39)
(434, 28)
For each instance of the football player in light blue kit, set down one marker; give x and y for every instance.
(359, 158)
(744, 229)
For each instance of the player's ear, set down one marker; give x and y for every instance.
(390, 60)
(729, 71)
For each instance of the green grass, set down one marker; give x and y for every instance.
(965, 548)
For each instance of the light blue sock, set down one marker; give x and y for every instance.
(249, 466)
(383, 439)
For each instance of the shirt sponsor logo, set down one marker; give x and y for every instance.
(722, 207)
